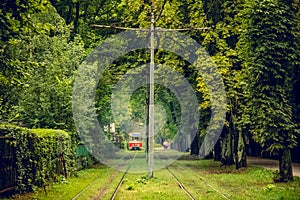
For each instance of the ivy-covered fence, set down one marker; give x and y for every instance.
(7, 164)
(41, 155)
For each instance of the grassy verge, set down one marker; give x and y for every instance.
(250, 183)
(162, 186)
(205, 179)
(97, 179)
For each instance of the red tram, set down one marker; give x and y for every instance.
(135, 141)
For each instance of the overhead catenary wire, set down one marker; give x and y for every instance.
(119, 27)
(157, 29)
(152, 30)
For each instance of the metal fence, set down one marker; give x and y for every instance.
(7, 164)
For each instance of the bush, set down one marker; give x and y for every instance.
(42, 155)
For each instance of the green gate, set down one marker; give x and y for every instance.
(82, 155)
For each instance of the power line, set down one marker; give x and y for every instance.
(119, 27)
(152, 30)
(157, 29)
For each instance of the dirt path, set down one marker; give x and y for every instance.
(271, 164)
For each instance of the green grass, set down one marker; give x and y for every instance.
(205, 179)
(256, 183)
(250, 183)
(67, 189)
(162, 186)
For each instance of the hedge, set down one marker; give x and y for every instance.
(42, 155)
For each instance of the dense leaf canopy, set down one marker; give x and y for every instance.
(255, 45)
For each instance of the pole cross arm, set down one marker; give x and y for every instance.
(150, 115)
(119, 27)
(158, 29)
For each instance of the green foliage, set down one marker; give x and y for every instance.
(79, 15)
(42, 155)
(222, 43)
(269, 187)
(254, 43)
(44, 99)
(15, 20)
(271, 62)
(130, 187)
(37, 65)
(143, 180)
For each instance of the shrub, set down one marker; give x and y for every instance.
(42, 155)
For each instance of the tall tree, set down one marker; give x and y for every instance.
(45, 98)
(222, 44)
(15, 20)
(79, 15)
(133, 13)
(272, 58)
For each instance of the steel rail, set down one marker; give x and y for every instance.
(93, 182)
(122, 179)
(196, 175)
(205, 182)
(180, 184)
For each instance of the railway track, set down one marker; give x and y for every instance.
(198, 177)
(205, 181)
(178, 172)
(109, 181)
(180, 184)
(122, 179)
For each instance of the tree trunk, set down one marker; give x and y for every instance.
(285, 165)
(239, 150)
(70, 14)
(195, 145)
(179, 143)
(227, 154)
(209, 156)
(76, 20)
(217, 151)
